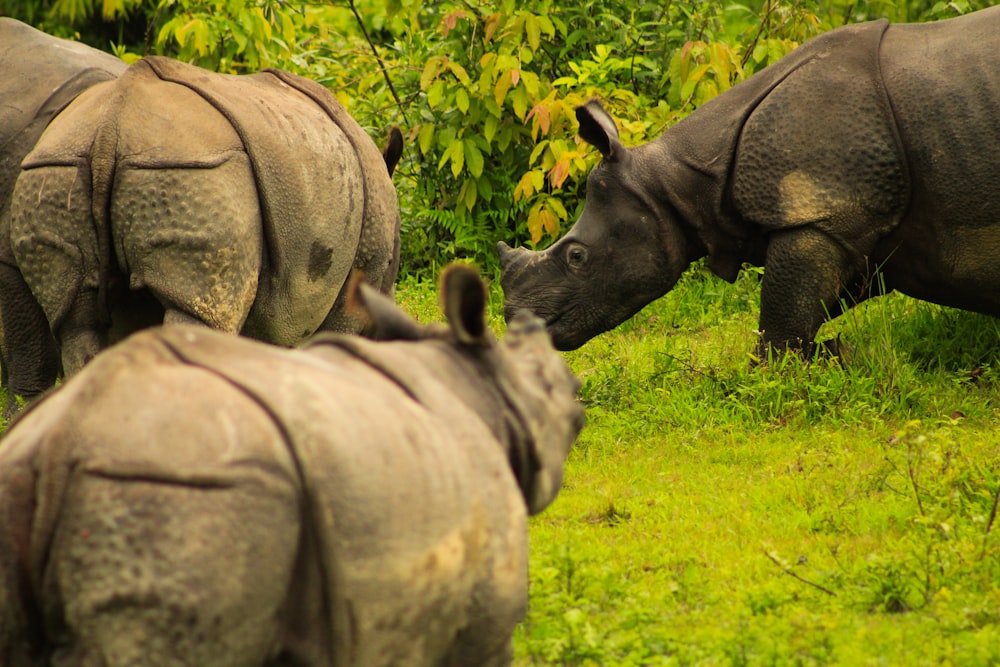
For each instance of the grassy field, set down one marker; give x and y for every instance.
(717, 513)
(790, 514)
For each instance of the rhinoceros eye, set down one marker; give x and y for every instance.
(576, 256)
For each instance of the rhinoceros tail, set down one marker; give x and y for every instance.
(103, 153)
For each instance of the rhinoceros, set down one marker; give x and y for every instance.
(864, 161)
(39, 75)
(195, 498)
(175, 194)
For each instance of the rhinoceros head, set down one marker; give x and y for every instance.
(626, 250)
(520, 386)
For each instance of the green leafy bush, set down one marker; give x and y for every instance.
(485, 92)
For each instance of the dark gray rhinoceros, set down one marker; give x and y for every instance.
(39, 75)
(178, 195)
(870, 148)
(195, 498)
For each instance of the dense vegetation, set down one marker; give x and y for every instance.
(484, 91)
(713, 513)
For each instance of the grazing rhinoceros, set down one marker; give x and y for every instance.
(194, 498)
(175, 194)
(39, 75)
(871, 148)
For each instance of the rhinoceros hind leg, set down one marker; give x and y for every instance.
(31, 359)
(81, 335)
(193, 239)
(170, 573)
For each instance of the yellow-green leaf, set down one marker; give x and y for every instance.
(431, 69)
(503, 86)
(519, 98)
(462, 100)
(473, 158)
(524, 188)
(470, 193)
(490, 128)
(457, 158)
(459, 73)
(533, 31)
(435, 94)
(425, 138)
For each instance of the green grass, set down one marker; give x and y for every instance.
(796, 513)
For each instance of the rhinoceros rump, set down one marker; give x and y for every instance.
(239, 202)
(864, 161)
(196, 498)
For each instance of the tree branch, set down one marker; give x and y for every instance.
(381, 63)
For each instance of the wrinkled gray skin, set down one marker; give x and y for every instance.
(869, 147)
(172, 194)
(39, 75)
(193, 498)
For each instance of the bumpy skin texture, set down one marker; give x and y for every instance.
(201, 499)
(39, 75)
(869, 148)
(242, 203)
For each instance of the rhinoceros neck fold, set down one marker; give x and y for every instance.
(694, 189)
(492, 395)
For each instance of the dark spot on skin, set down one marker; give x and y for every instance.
(320, 261)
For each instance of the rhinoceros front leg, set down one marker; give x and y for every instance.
(805, 273)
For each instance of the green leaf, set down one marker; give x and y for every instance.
(503, 86)
(201, 40)
(457, 154)
(425, 138)
(470, 193)
(435, 94)
(760, 52)
(519, 99)
(538, 150)
(459, 73)
(430, 72)
(485, 189)
(490, 126)
(533, 30)
(462, 100)
(473, 158)
(531, 82)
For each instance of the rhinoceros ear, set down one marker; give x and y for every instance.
(393, 149)
(463, 297)
(598, 128)
(385, 320)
